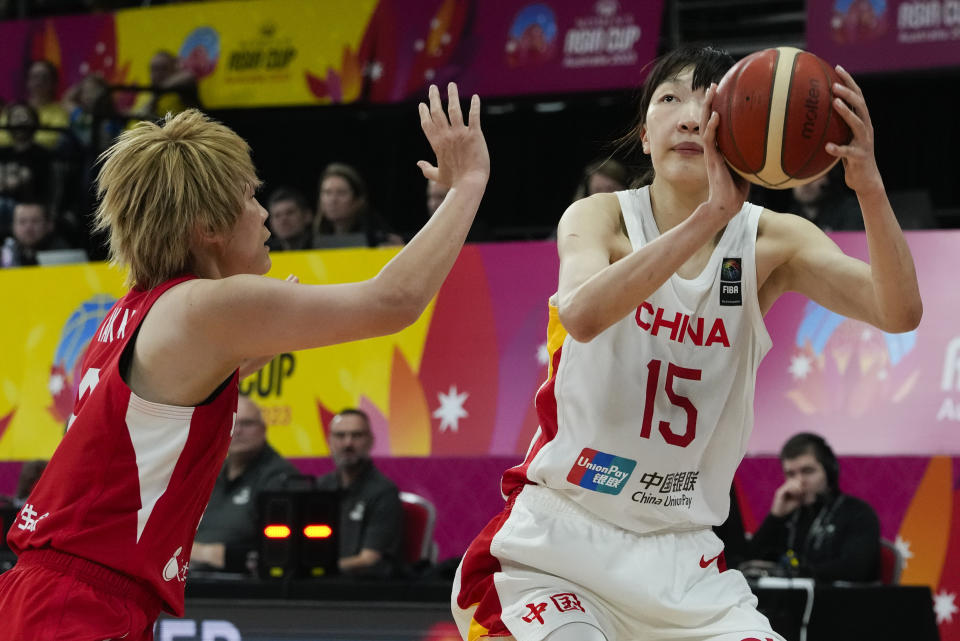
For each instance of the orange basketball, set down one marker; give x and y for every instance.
(776, 115)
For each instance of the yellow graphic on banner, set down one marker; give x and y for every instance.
(45, 334)
(251, 53)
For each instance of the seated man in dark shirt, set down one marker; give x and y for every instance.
(371, 516)
(290, 220)
(229, 528)
(813, 528)
(33, 232)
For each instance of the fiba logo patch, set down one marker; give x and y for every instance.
(601, 472)
(77, 333)
(731, 275)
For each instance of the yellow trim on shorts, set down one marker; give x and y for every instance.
(476, 631)
(556, 334)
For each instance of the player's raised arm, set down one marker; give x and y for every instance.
(885, 292)
(264, 316)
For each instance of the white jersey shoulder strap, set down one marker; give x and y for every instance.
(642, 226)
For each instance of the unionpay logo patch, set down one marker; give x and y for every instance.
(601, 472)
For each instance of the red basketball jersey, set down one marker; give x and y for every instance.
(129, 481)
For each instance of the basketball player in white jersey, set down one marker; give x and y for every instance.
(656, 333)
(104, 540)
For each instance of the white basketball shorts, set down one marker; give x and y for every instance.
(545, 561)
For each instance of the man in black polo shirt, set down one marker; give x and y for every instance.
(229, 528)
(371, 516)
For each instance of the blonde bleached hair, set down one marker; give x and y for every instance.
(162, 183)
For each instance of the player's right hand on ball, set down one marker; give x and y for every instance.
(460, 148)
(728, 191)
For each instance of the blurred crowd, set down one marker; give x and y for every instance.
(50, 142)
(49, 145)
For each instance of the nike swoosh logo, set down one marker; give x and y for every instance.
(705, 563)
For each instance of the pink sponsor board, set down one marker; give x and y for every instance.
(76, 45)
(539, 47)
(509, 48)
(869, 392)
(14, 36)
(885, 35)
(562, 45)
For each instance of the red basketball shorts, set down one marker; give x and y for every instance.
(51, 596)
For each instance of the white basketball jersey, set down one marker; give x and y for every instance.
(646, 424)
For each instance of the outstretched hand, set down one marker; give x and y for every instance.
(728, 191)
(859, 163)
(460, 148)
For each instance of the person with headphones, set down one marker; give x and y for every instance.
(813, 529)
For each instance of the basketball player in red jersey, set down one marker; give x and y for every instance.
(104, 540)
(656, 333)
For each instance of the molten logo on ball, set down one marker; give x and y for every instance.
(812, 108)
(776, 117)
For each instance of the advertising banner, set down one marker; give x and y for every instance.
(885, 35)
(258, 53)
(250, 53)
(872, 392)
(461, 381)
(508, 48)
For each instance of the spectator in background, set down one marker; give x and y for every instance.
(813, 528)
(41, 96)
(371, 516)
(290, 220)
(93, 117)
(599, 177)
(172, 89)
(24, 165)
(436, 192)
(42, 81)
(32, 232)
(602, 176)
(94, 124)
(344, 216)
(229, 531)
(825, 201)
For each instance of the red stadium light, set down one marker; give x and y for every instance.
(276, 531)
(313, 531)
